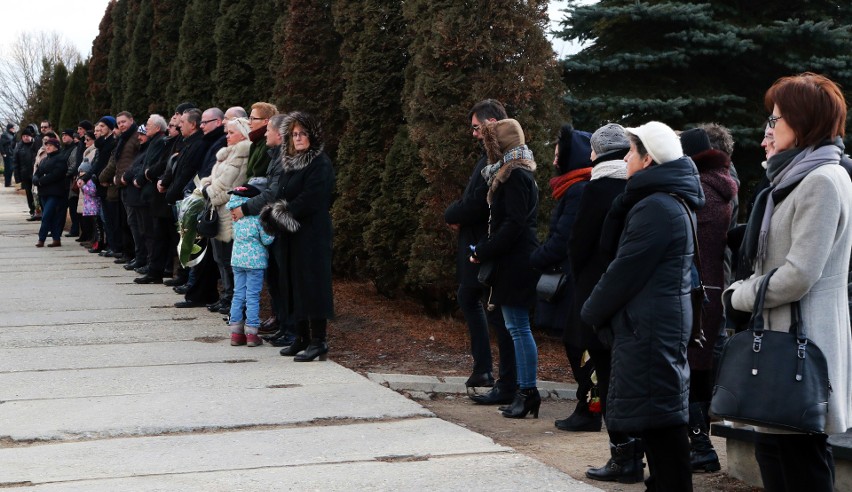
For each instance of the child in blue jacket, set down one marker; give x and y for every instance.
(248, 261)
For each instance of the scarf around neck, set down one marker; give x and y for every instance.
(610, 169)
(561, 184)
(499, 172)
(785, 171)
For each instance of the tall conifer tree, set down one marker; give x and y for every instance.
(463, 52)
(195, 64)
(235, 74)
(309, 78)
(373, 57)
(57, 93)
(98, 90)
(135, 97)
(75, 104)
(165, 34)
(118, 51)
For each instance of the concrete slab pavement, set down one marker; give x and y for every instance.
(105, 386)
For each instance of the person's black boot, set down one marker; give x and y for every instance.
(526, 401)
(582, 420)
(499, 394)
(317, 348)
(480, 380)
(624, 465)
(701, 453)
(299, 344)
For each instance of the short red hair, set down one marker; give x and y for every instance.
(811, 104)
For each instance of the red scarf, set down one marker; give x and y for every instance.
(560, 184)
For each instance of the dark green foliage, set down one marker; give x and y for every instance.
(195, 64)
(164, 36)
(461, 53)
(309, 78)
(244, 51)
(38, 104)
(122, 17)
(99, 92)
(393, 221)
(75, 103)
(688, 62)
(57, 93)
(373, 56)
(135, 95)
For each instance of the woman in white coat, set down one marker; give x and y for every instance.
(228, 173)
(802, 225)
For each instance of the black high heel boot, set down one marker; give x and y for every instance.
(298, 345)
(317, 348)
(526, 401)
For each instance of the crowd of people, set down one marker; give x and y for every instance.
(642, 216)
(211, 203)
(215, 203)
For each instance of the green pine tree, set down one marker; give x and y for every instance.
(689, 62)
(57, 93)
(195, 64)
(122, 17)
(38, 103)
(309, 78)
(75, 103)
(393, 220)
(264, 57)
(135, 97)
(98, 90)
(235, 74)
(373, 56)
(164, 37)
(460, 53)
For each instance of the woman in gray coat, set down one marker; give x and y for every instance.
(802, 225)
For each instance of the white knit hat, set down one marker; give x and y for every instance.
(661, 142)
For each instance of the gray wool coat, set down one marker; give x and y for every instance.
(809, 241)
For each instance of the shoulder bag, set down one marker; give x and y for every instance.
(551, 285)
(208, 221)
(698, 294)
(775, 379)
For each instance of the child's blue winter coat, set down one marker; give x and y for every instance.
(250, 240)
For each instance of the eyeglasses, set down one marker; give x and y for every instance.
(255, 118)
(174, 126)
(204, 122)
(299, 134)
(44, 127)
(772, 120)
(475, 128)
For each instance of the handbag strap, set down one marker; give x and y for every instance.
(757, 322)
(696, 257)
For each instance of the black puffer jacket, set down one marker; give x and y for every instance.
(50, 177)
(644, 296)
(24, 162)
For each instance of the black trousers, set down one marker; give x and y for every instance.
(73, 215)
(478, 319)
(206, 287)
(795, 462)
(162, 243)
(667, 450)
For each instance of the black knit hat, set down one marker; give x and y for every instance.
(694, 141)
(70, 132)
(10, 126)
(86, 125)
(184, 106)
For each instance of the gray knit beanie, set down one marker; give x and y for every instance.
(609, 138)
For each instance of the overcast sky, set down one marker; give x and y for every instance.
(78, 21)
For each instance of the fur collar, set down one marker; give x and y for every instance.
(241, 149)
(505, 171)
(299, 161)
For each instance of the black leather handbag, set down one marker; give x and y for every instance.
(208, 222)
(551, 285)
(487, 271)
(773, 379)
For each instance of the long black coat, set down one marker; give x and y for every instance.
(188, 163)
(131, 196)
(511, 240)
(50, 177)
(302, 248)
(588, 261)
(106, 146)
(645, 297)
(470, 212)
(24, 162)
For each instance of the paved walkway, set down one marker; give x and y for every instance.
(104, 386)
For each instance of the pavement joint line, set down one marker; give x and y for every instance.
(7, 442)
(108, 322)
(178, 364)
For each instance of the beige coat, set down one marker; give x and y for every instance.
(810, 239)
(228, 173)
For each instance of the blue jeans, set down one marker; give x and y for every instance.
(526, 352)
(52, 217)
(248, 283)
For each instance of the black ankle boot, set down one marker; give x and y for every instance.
(582, 420)
(624, 466)
(701, 453)
(480, 380)
(317, 348)
(526, 401)
(298, 345)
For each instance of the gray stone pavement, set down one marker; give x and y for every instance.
(105, 386)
